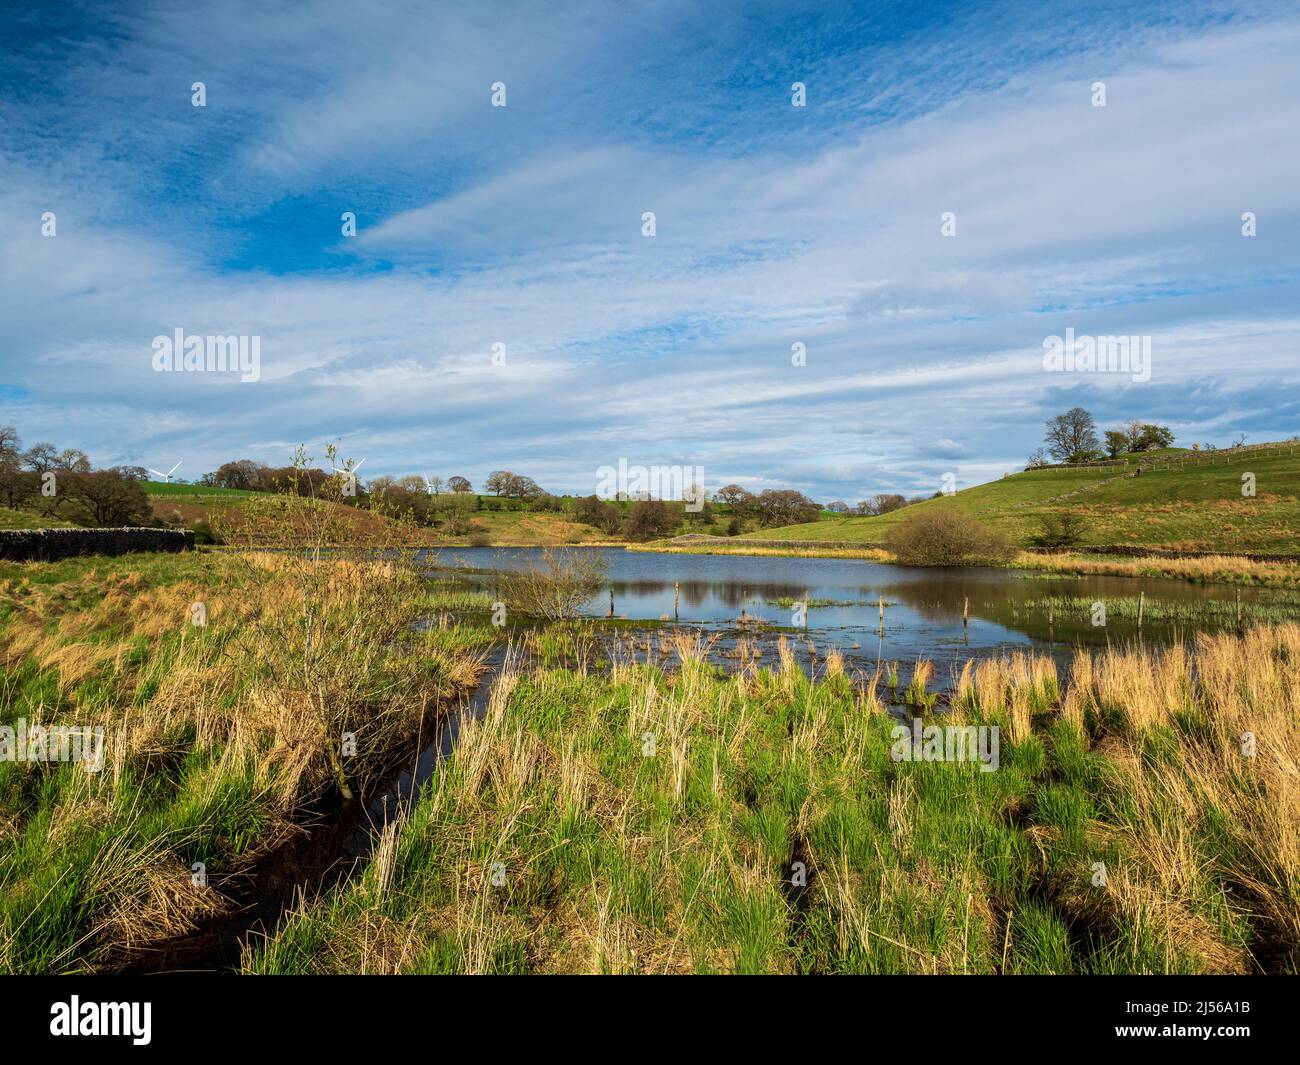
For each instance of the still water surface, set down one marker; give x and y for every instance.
(923, 607)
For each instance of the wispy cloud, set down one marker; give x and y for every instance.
(522, 226)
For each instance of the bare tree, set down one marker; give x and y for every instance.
(556, 585)
(10, 443)
(1072, 436)
(40, 457)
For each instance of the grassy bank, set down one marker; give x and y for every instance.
(1194, 507)
(216, 735)
(225, 510)
(686, 821)
(1210, 569)
(24, 519)
(739, 546)
(652, 815)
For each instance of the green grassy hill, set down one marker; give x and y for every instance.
(197, 492)
(183, 505)
(22, 519)
(1179, 501)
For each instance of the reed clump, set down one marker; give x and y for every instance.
(232, 691)
(666, 817)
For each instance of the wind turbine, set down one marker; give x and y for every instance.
(167, 477)
(349, 478)
(428, 485)
(348, 469)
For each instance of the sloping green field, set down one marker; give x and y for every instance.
(1197, 507)
(22, 519)
(194, 492)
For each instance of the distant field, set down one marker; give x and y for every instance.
(196, 491)
(187, 504)
(1197, 508)
(21, 519)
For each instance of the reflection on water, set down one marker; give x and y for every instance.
(1007, 610)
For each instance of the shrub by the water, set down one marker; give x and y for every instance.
(946, 538)
(1060, 529)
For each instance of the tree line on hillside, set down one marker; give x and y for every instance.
(86, 496)
(777, 506)
(424, 500)
(882, 503)
(62, 485)
(249, 476)
(1072, 438)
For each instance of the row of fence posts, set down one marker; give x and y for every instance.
(677, 594)
(965, 609)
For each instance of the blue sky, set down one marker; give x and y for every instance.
(522, 225)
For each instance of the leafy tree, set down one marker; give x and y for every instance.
(520, 487)
(740, 500)
(703, 516)
(109, 498)
(784, 506)
(15, 484)
(1150, 437)
(244, 474)
(459, 485)
(1117, 442)
(650, 519)
(1060, 529)
(596, 512)
(498, 481)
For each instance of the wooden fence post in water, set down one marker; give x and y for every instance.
(1142, 602)
(965, 617)
(805, 609)
(611, 602)
(1238, 608)
(677, 587)
(882, 613)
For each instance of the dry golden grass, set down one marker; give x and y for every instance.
(869, 554)
(1232, 783)
(1201, 842)
(1019, 685)
(295, 653)
(1229, 569)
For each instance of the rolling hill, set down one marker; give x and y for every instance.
(1172, 499)
(184, 505)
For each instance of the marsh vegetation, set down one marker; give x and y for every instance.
(623, 799)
